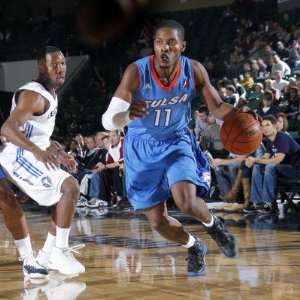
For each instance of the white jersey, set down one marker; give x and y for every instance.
(39, 128)
(21, 166)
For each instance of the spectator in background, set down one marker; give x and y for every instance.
(113, 171)
(294, 54)
(279, 65)
(279, 83)
(293, 103)
(255, 97)
(247, 81)
(282, 123)
(210, 138)
(232, 95)
(201, 116)
(280, 149)
(282, 51)
(267, 107)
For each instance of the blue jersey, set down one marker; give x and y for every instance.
(160, 151)
(168, 107)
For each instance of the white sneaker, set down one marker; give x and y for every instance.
(63, 260)
(43, 258)
(93, 203)
(33, 270)
(81, 202)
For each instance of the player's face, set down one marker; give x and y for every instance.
(55, 66)
(168, 47)
(268, 129)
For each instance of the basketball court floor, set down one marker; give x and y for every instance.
(125, 259)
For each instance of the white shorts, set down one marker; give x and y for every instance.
(32, 176)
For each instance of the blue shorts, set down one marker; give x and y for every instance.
(2, 174)
(152, 166)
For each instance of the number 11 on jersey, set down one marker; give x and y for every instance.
(159, 115)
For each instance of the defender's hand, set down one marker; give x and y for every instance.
(49, 158)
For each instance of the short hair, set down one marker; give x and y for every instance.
(171, 24)
(203, 109)
(43, 51)
(285, 121)
(268, 95)
(270, 118)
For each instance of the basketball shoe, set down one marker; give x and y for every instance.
(196, 258)
(224, 239)
(33, 270)
(62, 260)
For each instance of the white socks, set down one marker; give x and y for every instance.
(24, 247)
(191, 242)
(62, 237)
(49, 243)
(211, 223)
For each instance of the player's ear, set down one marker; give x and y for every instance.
(183, 46)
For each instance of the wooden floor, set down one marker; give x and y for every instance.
(125, 259)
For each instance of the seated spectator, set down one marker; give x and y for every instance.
(282, 123)
(293, 103)
(282, 51)
(211, 140)
(280, 149)
(247, 81)
(201, 116)
(267, 107)
(294, 54)
(228, 177)
(280, 65)
(279, 83)
(255, 98)
(112, 173)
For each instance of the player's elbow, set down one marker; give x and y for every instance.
(107, 121)
(5, 130)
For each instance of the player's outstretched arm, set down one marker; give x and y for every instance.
(29, 103)
(122, 109)
(214, 103)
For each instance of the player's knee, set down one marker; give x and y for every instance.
(185, 201)
(71, 188)
(186, 206)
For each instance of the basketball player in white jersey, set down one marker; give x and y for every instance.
(31, 164)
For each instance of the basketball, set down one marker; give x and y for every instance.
(241, 133)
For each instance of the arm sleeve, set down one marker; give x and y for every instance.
(116, 115)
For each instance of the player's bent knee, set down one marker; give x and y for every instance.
(185, 205)
(70, 187)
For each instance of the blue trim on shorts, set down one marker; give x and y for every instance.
(22, 161)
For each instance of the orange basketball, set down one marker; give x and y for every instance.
(241, 133)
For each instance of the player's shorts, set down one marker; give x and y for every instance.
(2, 174)
(32, 176)
(152, 166)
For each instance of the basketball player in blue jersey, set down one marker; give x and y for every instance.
(154, 101)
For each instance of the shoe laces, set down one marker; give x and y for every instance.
(74, 249)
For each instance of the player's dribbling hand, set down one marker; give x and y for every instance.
(138, 109)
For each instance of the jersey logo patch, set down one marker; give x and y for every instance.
(147, 86)
(47, 182)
